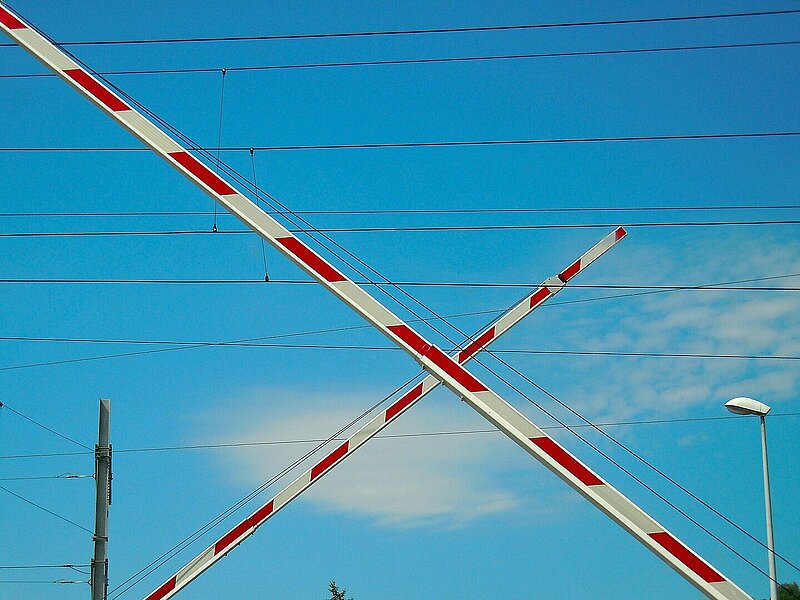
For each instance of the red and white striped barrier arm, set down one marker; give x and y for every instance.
(248, 526)
(447, 370)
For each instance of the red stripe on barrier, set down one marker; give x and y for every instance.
(539, 296)
(10, 21)
(570, 271)
(231, 536)
(326, 462)
(476, 345)
(439, 358)
(320, 266)
(165, 589)
(402, 403)
(410, 337)
(91, 85)
(262, 513)
(687, 557)
(253, 520)
(456, 371)
(620, 233)
(202, 172)
(566, 460)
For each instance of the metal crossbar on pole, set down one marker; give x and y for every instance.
(102, 474)
(444, 368)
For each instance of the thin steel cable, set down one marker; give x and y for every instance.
(421, 434)
(184, 344)
(428, 31)
(427, 144)
(45, 427)
(41, 581)
(353, 327)
(415, 211)
(366, 283)
(65, 566)
(421, 61)
(40, 477)
(258, 201)
(402, 228)
(219, 136)
(47, 510)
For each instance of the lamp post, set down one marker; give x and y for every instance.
(748, 406)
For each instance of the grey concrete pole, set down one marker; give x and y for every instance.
(102, 453)
(773, 578)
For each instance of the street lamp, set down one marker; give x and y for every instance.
(748, 406)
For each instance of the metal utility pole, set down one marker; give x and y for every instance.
(102, 475)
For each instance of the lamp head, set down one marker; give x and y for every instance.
(747, 406)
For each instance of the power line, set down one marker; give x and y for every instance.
(40, 581)
(354, 327)
(421, 61)
(434, 434)
(415, 211)
(65, 566)
(45, 427)
(448, 30)
(449, 284)
(396, 229)
(47, 510)
(421, 434)
(426, 144)
(38, 477)
(370, 348)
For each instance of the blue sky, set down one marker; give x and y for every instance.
(441, 516)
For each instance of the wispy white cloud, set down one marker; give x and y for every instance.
(717, 322)
(437, 481)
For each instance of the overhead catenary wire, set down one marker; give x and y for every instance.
(449, 284)
(41, 581)
(258, 201)
(373, 348)
(401, 228)
(42, 426)
(56, 566)
(341, 329)
(421, 61)
(40, 477)
(419, 434)
(47, 510)
(426, 144)
(429, 31)
(413, 211)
